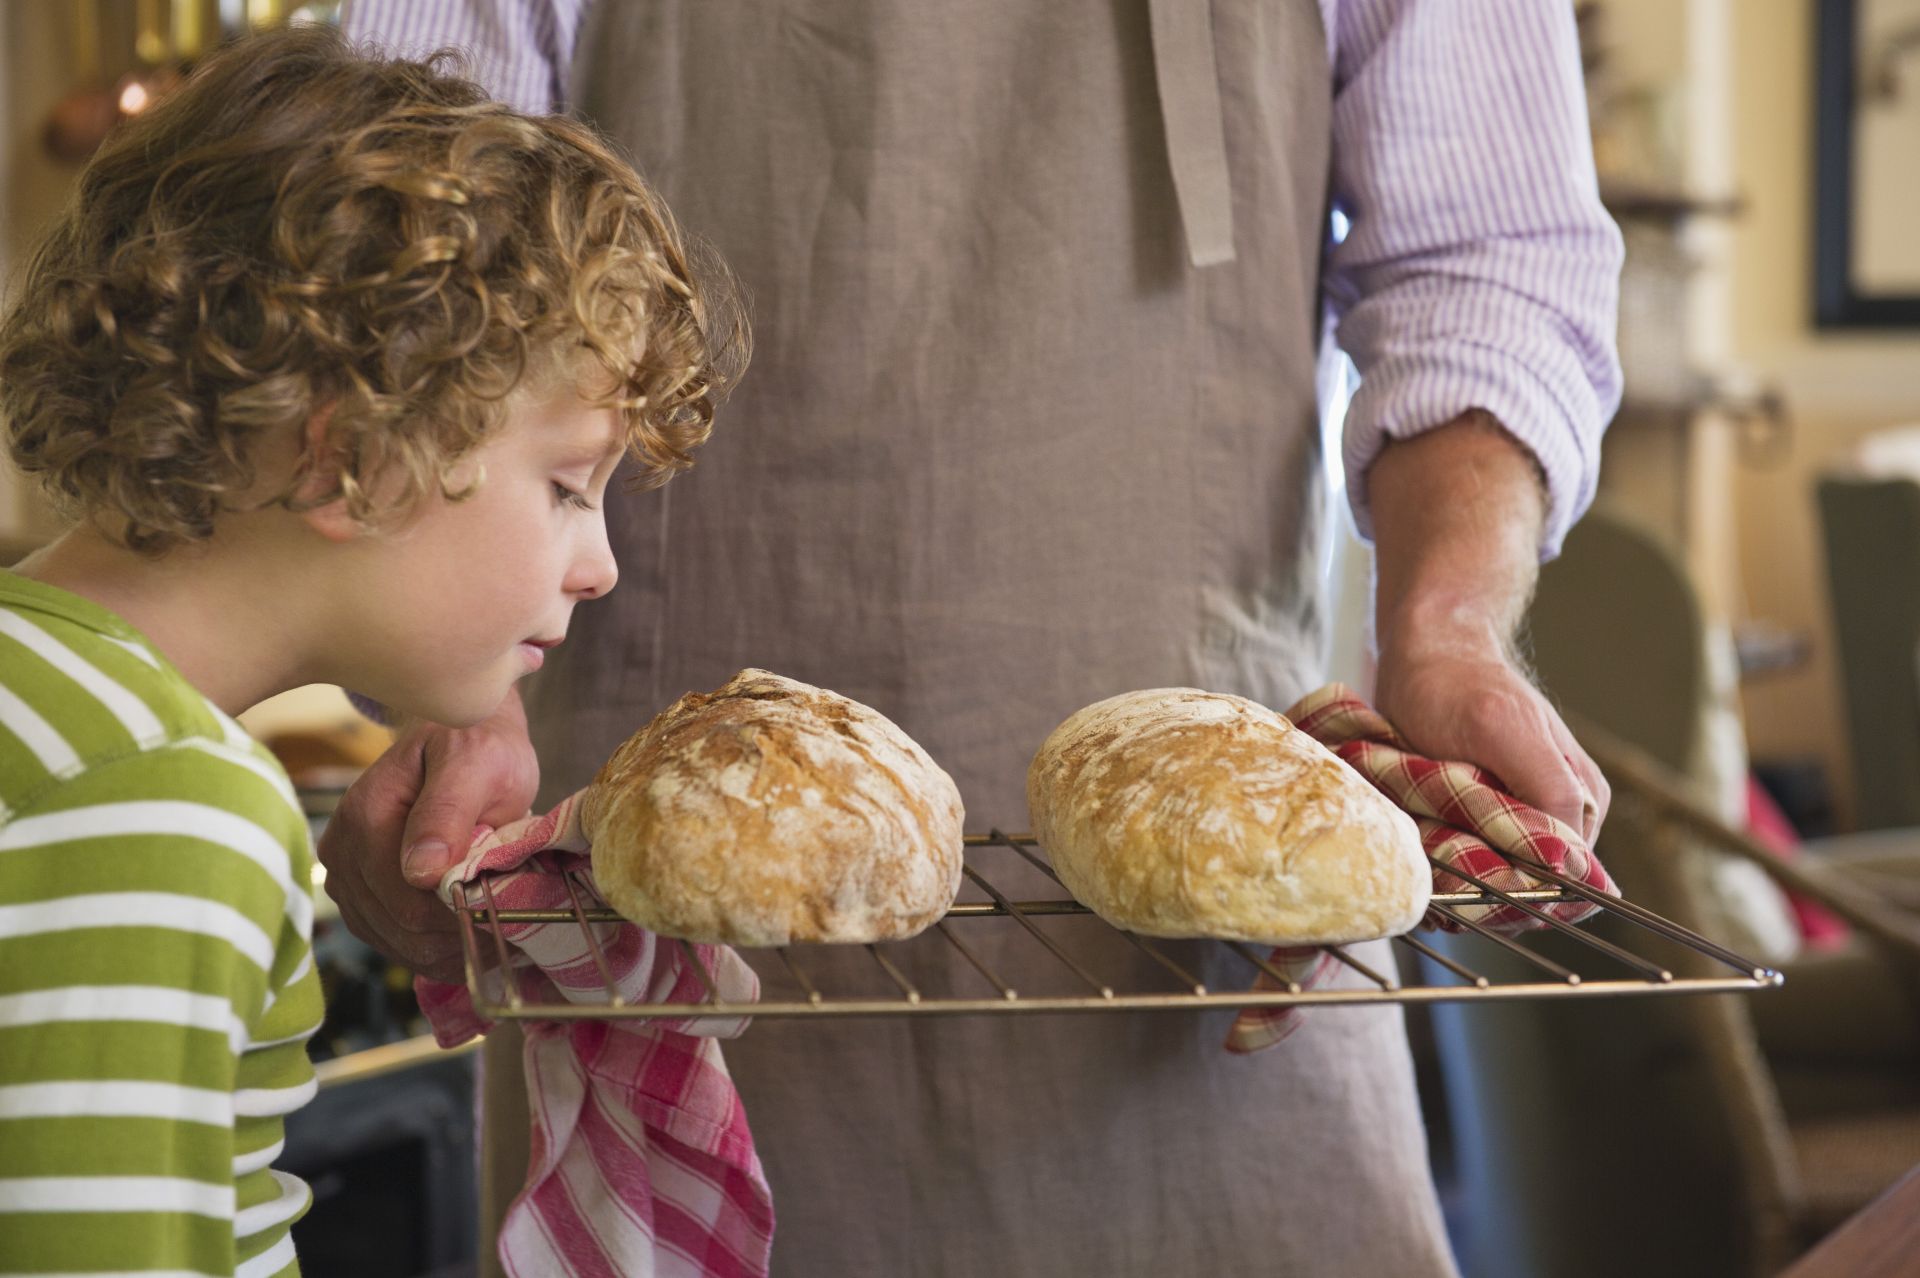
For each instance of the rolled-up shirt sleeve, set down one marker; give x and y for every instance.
(1479, 269)
(518, 49)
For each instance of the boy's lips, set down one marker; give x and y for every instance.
(535, 651)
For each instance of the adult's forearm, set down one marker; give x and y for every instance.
(1457, 514)
(1457, 518)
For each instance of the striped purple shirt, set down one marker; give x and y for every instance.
(1479, 270)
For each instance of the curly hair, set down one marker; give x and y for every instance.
(304, 231)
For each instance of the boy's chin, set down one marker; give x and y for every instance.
(454, 710)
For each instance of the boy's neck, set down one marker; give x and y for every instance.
(236, 632)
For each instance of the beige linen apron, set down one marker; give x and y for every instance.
(1005, 450)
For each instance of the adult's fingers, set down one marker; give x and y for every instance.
(440, 826)
(486, 774)
(1591, 777)
(1510, 732)
(360, 850)
(430, 947)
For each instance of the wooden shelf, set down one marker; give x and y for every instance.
(1653, 204)
(387, 1058)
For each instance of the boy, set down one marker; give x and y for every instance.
(332, 360)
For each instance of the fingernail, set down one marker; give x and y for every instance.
(424, 857)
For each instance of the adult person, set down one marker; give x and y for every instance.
(1039, 295)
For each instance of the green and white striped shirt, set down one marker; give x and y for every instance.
(156, 968)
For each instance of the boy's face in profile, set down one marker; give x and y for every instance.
(469, 594)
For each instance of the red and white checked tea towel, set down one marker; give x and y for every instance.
(641, 1162)
(1467, 821)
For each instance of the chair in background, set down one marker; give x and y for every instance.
(1872, 531)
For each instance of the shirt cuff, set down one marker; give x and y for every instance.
(1408, 394)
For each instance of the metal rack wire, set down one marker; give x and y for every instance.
(1621, 972)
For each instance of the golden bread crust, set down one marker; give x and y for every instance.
(770, 811)
(1177, 812)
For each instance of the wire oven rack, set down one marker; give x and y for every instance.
(1621, 971)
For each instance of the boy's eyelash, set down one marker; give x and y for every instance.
(567, 495)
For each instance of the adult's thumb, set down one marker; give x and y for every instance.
(439, 831)
(425, 863)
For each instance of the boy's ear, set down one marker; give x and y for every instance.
(319, 470)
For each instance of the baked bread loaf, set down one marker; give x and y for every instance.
(1176, 812)
(770, 811)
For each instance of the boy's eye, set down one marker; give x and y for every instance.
(577, 500)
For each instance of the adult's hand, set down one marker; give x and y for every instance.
(411, 816)
(1452, 700)
(1457, 514)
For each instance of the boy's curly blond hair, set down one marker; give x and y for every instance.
(303, 227)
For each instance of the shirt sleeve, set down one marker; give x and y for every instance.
(1479, 269)
(147, 920)
(519, 50)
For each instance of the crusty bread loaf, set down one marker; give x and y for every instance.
(1177, 812)
(771, 811)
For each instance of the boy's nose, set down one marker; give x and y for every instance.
(594, 572)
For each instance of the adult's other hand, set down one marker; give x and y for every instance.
(410, 817)
(1457, 515)
(1451, 701)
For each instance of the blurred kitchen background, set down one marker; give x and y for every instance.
(1739, 616)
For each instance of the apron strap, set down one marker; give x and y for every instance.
(1189, 83)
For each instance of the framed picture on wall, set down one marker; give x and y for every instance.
(1867, 165)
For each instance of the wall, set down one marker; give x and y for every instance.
(1886, 252)
(1735, 80)
(1838, 386)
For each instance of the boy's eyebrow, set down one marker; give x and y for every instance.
(613, 456)
(587, 443)
(583, 451)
